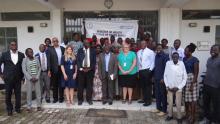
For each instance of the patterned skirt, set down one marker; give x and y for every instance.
(190, 96)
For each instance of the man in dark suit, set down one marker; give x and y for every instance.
(45, 76)
(107, 72)
(12, 75)
(55, 54)
(86, 60)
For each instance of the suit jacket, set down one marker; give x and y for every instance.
(10, 69)
(27, 70)
(112, 66)
(53, 59)
(48, 62)
(81, 55)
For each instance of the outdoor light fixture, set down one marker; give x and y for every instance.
(108, 4)
(43, 24)
(193, 24)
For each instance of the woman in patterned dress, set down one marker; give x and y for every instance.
(191, 91)
(97, 84)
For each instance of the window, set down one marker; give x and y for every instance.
(200, 14)
(217, 34)
(7, 34)
(23, 16)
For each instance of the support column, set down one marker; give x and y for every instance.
(57, 23)
(170, 22)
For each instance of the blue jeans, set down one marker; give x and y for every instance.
(161, 96)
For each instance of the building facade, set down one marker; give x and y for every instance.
(31, 21)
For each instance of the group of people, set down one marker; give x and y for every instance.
(108, 69)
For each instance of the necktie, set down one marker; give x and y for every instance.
(43, 66)
(86, 59)
(141, 58)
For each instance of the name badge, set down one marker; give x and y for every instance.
(71, 66)
(125, 64)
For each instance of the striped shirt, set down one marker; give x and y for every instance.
(33, 67)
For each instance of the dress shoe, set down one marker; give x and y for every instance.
(155, 111)
(110, 103)
(55, 101)
(146, 104)
(117, 97)
(18, 111)
(39, 109)
(80, 103)
(168, 118)
(47, 101)
(179, 121)
(61, 101)
(141, 101)
(161, 114)
(90, 102)
(9, 113)
(104, 102)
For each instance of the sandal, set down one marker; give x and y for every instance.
(123, 101)
(29, 110)
(71, 102)
(129, 102)
(68, 103)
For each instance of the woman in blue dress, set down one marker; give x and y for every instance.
(69, 70)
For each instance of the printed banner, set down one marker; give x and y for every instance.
(123, 29)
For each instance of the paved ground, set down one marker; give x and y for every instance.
(56, 115)
(70, 116)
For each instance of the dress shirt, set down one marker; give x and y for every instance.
(59, 54)
(146, 58)
(45, 58)
(14, 57)
(180, 51)
(107, 58)
(175, 75)
(88, 55)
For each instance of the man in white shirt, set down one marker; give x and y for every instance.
(12, 75)
(55, 53)
(176, 48)
(86, 61)
(175, 77)
(146, 58)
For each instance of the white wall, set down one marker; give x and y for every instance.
(21, 6)
(195, 34)
(169, 24)
(26, 39)
(93, 5)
